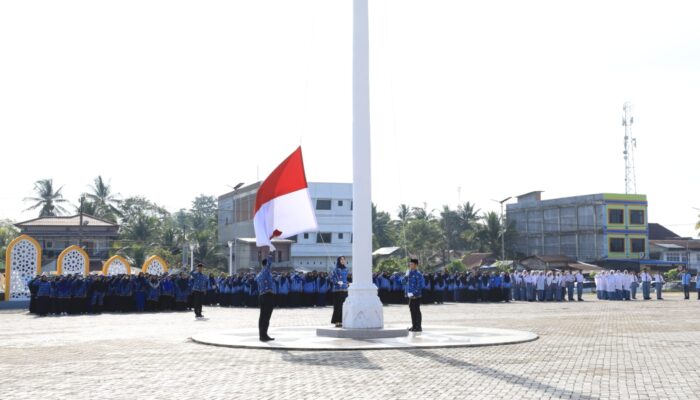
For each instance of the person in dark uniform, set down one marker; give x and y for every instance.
(414, 290)
(339, 280)
(200, 282)
(43, 294)
(266, 285)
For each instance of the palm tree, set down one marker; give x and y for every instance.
(48, 200)
(490, 233)
(404, 213)
(105, 201)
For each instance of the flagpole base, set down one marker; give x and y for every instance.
(362, 308)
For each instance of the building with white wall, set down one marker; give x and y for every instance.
(309, 251)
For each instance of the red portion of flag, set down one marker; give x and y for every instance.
(288, 177)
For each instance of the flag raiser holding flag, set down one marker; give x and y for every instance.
(283, 205)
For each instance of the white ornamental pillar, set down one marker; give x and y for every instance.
(362, 309)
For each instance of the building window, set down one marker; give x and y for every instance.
(323, 204)
(638, 245)
(616, 216)
(340, 236)
(306, 236)
(673, 257)
(351, 204)
(617, 245)
(637, 217)
(49, 244)
(323, 237)
(340, 203)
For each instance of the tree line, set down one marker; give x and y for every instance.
(433, 235)
(146, 227)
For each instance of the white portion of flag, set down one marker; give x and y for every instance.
(291, 214)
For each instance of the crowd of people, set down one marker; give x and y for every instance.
(76, 294)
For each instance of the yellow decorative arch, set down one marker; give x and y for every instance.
(8, 261)
(108, 263)
(150, 259)
(64, 253)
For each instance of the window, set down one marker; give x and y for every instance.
(616, 216)
(323, 237)
(340, 236)
(306, 236)
(673, 257)
(638, 245)
(323, 204)
(637, 217)
(617, 245)
(49, 244)
(340, 203)
(351, 203)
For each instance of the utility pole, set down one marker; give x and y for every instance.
(80, 228)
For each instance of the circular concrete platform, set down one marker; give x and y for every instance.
(305, 338)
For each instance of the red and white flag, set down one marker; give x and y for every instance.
(283, 205)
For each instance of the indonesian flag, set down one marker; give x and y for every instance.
(283, 205)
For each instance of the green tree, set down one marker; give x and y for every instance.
(383, 231)
(391, 265)
(404, 213)
(48, 200)
(8, 232)
(423, 237)
(105, 202)
(490, 233)
(468, 216)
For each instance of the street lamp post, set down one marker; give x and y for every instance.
(230, 258)
(503, 229)
(192, 246)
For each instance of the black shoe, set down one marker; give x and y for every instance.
(266, 339)
(410, 329)
(417, 330)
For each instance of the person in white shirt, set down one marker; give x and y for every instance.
(658, 283)
(603, 287)
(634, 284)
(645, 277)
(540, 286)
(569, 279)
(610, 285)
(579, 286)
(625, 280)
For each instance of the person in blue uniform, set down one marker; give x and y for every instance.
(266, 285)
(200, 283)
(685, 281)
(339, 280)
(414, 289)
(43, 295)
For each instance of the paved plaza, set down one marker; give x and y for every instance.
(590, 350)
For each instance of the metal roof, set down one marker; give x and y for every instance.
(73, 220)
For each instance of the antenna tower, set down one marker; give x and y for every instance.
(630, 145)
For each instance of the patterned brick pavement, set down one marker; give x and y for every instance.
(589, 350)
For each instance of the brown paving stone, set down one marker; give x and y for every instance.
(588, 350)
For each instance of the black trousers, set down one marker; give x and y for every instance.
(267, 304)
(197, 300)
(338, 299)
(686, 291)
(416, 316)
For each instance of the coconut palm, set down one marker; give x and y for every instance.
(106, 202)
(48, 200)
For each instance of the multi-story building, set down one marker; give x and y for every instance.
(55, 234)
(590, 228)
(308, 251)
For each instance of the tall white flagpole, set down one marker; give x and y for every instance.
(362, 309)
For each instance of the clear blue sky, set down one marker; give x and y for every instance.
(170, 99)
